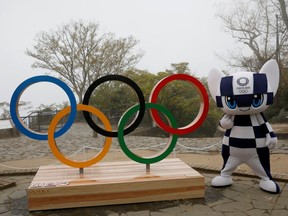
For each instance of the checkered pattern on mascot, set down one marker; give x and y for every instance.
(243, 97)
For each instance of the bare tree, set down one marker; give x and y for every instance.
(78, 53)
(253, 24)
(263, 35)
(5, 107)
(283, 11)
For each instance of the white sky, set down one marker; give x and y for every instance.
(169, 31)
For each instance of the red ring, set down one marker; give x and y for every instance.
(203, 111)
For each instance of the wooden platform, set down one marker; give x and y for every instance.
(109, 183)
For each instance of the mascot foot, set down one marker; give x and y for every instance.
(269, 186)
(220, 181)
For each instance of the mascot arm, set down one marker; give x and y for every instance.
(271, 139)
(227, 121)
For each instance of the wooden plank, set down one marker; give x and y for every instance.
(110, 183)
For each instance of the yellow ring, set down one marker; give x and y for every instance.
(58, 154)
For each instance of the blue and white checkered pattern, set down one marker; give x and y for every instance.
(249, 131)
(243, 96)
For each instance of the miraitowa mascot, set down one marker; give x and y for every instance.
(243, 97)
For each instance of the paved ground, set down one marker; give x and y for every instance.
(79, 137)
(243, 198)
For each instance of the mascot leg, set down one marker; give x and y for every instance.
(230, 164)
(260, 164)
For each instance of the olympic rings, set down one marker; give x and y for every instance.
(158, 157)
(138, 118)
(15, 100)
(171, 128)
(203, 111)
(57, 153)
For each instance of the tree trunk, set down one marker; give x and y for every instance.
(284, 12)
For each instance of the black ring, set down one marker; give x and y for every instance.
(129, 82)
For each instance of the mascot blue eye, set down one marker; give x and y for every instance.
(231, 102)
(257, 100)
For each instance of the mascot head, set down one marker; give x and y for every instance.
(245, 93)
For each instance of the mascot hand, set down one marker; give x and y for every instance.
(227, 122)
(271, 142)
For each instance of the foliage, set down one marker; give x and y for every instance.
(179, 97)
(179, 68)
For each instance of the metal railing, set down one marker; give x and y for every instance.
(40, 120)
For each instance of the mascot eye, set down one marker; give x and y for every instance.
(231, 102)
(257, 100)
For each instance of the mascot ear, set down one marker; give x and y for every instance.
(271, 69)
(214, 78)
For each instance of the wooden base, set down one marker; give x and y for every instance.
(109, 183)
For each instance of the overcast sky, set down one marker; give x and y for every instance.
(169, 31)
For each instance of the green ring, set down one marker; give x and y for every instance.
(152, 159)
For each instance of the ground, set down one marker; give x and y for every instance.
(20, 157)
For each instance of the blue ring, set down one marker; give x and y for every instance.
(15, 100)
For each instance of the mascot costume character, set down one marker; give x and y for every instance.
(243, 97)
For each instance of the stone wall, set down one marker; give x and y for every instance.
(9, 132)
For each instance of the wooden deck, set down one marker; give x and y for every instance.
(110, 183)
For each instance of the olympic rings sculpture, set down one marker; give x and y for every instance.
(140, 108)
